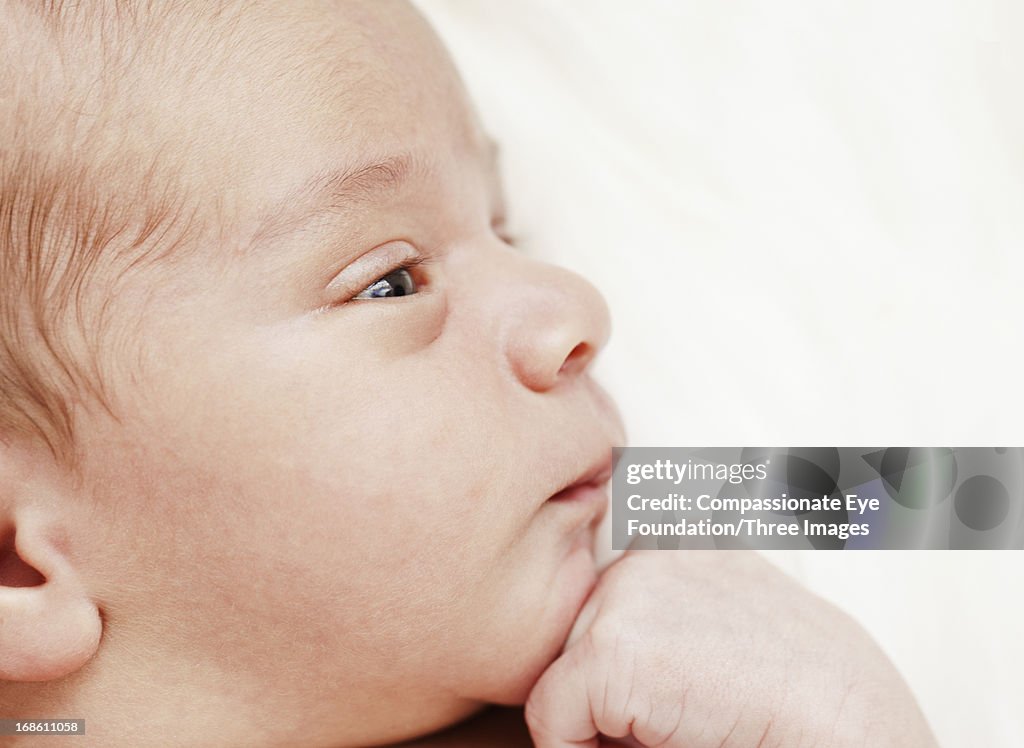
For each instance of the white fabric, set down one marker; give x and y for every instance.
(806, 218)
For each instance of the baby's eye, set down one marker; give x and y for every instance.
(396, 283)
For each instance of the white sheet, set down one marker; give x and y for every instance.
(806, 217)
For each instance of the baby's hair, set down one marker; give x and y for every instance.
(81, 204)
(113, 161)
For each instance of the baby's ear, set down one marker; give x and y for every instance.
(49, 625)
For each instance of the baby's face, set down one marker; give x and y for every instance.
(330, 487)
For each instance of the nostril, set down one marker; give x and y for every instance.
(14, 572)
(577, 359)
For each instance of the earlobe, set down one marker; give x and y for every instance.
(48, 628)
(49, 625)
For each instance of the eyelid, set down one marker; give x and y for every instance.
(370, 267)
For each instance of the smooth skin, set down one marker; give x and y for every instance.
(316, 519)
(718, 649)
(317, 512)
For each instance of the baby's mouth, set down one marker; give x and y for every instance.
(587, 491)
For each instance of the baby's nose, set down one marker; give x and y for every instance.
(559, 323)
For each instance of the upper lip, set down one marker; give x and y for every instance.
(608, 425)
(597, 474)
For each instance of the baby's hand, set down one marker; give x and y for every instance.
(718, 649)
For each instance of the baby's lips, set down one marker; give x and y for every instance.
(595, 476)
(587, 495)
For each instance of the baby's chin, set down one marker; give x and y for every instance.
(542, 644)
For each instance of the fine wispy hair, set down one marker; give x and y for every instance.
(87, 194)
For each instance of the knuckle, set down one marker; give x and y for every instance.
(603, 638)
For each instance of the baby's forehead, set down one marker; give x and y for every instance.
(240, 100)
(194, 72)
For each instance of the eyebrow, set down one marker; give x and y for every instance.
(366, 182)
(334, 191)
(337, 190)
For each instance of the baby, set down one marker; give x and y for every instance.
(297, 450)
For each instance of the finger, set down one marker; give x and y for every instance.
(558, 710)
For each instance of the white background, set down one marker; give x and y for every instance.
(808, 219)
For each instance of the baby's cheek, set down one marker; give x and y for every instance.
(380, 332)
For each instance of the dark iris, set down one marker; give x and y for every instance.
(396, 283)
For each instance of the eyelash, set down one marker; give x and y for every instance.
(410, 264)
(498, 228)
(407, 266)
